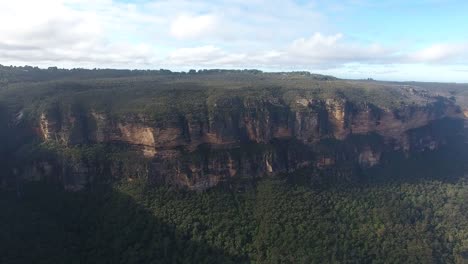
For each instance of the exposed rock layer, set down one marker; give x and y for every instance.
(252, 138)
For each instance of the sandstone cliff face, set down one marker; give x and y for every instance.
(252, 138)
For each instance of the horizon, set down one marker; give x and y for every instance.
(351, 39)
(200, 70)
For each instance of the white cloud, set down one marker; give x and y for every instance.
(197, 55)
(205, 56)
(439, 53)
(43, 23)
(318, 51)
(188, 26)
(334, 49)
(317, 40)
(51, 33)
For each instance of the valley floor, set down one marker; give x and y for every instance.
(269, 222)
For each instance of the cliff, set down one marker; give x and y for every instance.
(246, 139)
(222, 135)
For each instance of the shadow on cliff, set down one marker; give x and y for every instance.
(447, 164)
(47, 225)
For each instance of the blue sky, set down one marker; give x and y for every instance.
(423, 40)
(418, 22)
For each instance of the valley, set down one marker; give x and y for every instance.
(218, 166)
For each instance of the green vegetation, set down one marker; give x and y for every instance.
(455, 91)
(164, 94)
(273, 222)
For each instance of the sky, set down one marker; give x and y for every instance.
(420, 40)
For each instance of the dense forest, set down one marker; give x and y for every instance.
(422, 222)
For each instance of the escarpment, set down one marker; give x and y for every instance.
(253, 138)
(198, 136)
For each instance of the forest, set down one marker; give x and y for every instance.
(419, 217)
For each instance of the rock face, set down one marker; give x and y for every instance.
(465, 114)
(249, 138)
